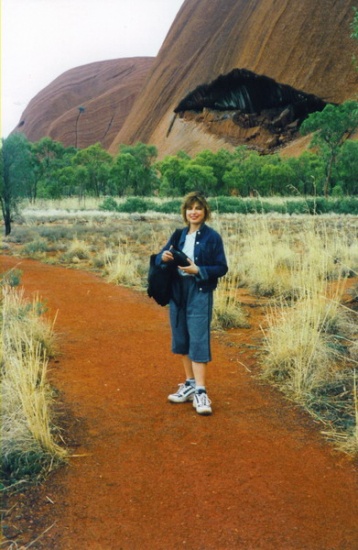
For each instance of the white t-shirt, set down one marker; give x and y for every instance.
(189, 244)
(188, 250)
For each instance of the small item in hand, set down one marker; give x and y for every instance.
(180, 259)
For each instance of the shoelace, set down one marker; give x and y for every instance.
(203, 399)
(181, 389)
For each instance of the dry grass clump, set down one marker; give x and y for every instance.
(123, 269)
(77, 251)
(27, 440)
(309, 354)
(227, 311)
(296, 345)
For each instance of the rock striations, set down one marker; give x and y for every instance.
(228, 72)
(88, 104)
(305, 45)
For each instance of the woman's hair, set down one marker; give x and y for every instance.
(195, 197)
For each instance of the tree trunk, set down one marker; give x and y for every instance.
(7, 221)
(327, 183)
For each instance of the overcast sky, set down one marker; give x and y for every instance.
(41, 39)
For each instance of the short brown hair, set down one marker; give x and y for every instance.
(192, 198)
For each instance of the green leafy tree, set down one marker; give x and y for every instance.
(16, 173)
(97, 163)
(331, 127)
(243, 174)
(144, 182)
(346, 169)
(66, 182)
(218, 162)
(198, 177)
(173, 178)
(277, 177)
(49, 157)
(308, 173)
(124, 173)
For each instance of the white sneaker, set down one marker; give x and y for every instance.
(202, 403)
(184, 393)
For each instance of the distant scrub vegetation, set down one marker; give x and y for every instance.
(46, 169)
(237, 205)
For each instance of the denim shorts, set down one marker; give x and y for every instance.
(190, 320)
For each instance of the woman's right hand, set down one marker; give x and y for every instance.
(167, 256)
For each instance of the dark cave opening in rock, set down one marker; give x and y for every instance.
(252, 101)
(250, 93)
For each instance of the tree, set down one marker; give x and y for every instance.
(171, 168)
(198, 177)
(331, 127)
(144, 181)
(124, 173)
(49, 157)
(218, 162)
(346, 170)
(276, 178)
(97, 163)
(243, 174)
(308, 170)
(16, 172)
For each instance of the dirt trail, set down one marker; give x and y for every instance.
(155, 476)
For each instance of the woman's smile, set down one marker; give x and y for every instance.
(195, 214)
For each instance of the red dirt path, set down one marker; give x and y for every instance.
(155, 476)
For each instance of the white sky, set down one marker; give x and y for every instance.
(41, 39)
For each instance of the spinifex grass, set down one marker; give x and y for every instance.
(228, 312)
(27, 440)
(123, 268)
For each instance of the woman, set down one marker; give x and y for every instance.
(192, 298)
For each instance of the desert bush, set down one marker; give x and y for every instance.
(109, 204)
(35, 249)
(169, 206)
(136, 204)
(11, 278)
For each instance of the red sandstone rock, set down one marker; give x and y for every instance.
(304, 44)
(105, 90)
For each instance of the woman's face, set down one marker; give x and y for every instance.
(195, 214)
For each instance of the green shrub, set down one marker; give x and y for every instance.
(35, 248)
(168, 207)
(109, 204)
(136, 204)
(11, 278)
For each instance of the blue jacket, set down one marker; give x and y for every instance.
(209, 256)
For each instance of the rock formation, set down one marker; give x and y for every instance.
(86, 105)
(305, 45)
(228, 73)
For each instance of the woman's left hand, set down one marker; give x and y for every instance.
(191, 269)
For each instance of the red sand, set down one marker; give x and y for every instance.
(150, 475)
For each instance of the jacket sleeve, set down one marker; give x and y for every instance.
(158, 259)
(216, 264)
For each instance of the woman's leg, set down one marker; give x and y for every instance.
(188, 367)
(199, 371)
